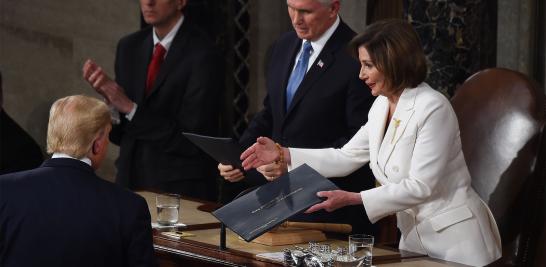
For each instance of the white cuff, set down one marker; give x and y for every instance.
(129, 116)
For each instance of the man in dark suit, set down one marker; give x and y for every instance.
(326, 110)
(62, 213)
(168, 80)
(18, 151)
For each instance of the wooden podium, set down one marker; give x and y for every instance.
(290, 233)
(290, 236)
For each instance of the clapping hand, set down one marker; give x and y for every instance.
(108, 88)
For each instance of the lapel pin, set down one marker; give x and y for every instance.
(396, 124)
(320, 63)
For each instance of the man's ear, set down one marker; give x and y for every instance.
(96, 147)
(99, 143)
(181, 4)
(334, 8)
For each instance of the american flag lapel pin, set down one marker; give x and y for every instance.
(320, 63)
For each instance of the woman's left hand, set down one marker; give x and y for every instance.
(334, 200)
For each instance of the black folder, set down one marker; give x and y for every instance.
(224, 150)
(271, 204)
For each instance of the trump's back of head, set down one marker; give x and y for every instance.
(74, 123)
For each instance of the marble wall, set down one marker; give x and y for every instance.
(456, 38)
(459, 37)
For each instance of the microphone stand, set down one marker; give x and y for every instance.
(223, 236)
(223, 226)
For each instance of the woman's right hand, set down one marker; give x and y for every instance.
(263, 152)
(229, 173)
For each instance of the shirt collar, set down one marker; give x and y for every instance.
(63, 155)
(168, 39)
(321, 41)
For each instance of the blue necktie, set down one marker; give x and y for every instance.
(297, 74)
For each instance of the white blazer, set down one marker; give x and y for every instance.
(423, 175)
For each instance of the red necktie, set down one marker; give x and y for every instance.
(153, 68)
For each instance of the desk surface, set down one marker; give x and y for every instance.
(233, 241)
(201, 247)
(190, 214)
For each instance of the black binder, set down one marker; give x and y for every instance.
(224, 150)
(271, 204)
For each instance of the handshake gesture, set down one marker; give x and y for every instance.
(271, 159)
(264, 152)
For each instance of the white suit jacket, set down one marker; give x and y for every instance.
(425, 181)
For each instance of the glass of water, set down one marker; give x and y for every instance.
(168, 206)
(360, 249)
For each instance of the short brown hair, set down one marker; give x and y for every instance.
(74, 122)
(396, 52)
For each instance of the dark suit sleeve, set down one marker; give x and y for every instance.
(117, 129)
(3, 219)
(18, 150)
(140, 249)
(261, 125)
(198, 112)
(359, 101)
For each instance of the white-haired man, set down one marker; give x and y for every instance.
(62, 213)
(314, 100)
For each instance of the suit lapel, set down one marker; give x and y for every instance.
(377, 125)
(145, 50)
(175, 52)
(321, 64)
(402, 115)
(288, 65)
(324, 60)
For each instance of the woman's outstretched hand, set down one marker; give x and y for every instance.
(263, 152)
(334, 200)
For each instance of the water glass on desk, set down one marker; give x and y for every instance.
(360, 249)
(168, 206)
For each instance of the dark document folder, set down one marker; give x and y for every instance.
(271, 204)
(224, 150)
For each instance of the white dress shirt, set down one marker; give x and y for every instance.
(317, 45)
(86, 160)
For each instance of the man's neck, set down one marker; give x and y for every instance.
(163, 29)
(86, 160)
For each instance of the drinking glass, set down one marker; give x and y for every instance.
(168, 206)
(360, 249)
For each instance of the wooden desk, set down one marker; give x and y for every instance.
(191, 211)
(239, 252)
(418, 262)
(202, 247)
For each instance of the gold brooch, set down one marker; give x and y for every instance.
(396, 124)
